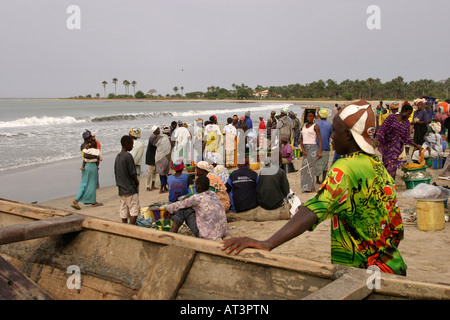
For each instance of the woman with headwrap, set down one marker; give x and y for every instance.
(162, 157)
(392, 136)
(432, 144)
(440, 117)
(138, 148)
(89, 178)
(215, 183)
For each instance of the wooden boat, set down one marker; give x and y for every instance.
(42, 248)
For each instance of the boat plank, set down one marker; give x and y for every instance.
(30, 210)
(351, 286)
(14, 285)
(40, 229)
(167, 275)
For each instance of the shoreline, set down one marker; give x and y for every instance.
(296, 101)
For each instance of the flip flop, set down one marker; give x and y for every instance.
(76, 207)
(98, 204)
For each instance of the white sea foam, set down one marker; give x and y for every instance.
(39, 121)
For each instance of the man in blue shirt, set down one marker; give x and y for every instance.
(241, 186)
(325, 132)
(248, 120)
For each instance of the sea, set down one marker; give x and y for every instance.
(40, 139)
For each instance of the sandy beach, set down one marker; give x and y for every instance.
(425, 252)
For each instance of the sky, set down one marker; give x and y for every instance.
(48, 51)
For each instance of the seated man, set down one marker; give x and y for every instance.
(272, 188)
(178, 182)
(241, 186)
(203, 212)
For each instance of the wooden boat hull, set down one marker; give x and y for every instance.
(119, 261)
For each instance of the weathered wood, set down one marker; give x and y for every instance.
(260, 214)
(14, 285)
(351, 286)
(269, 259)
(32, 211)
(167, 275)
(392, 285)
(41, 228)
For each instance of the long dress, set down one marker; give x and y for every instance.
(87, 192)
(308, 172)
(393, 136)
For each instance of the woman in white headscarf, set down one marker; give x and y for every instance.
(138, 148)
(432, 144)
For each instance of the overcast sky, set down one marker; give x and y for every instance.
(195, 44)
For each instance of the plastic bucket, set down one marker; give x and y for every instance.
(430, 215)
(411, 183)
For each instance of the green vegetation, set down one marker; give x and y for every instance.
(370, 89)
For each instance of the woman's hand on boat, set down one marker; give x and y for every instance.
(238, 244)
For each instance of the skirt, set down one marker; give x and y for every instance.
(308, 172)
(88, 186)
(162, 166)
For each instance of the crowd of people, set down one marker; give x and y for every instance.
(354, 132)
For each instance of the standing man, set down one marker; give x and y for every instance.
(150, 160)
(248, 120)
(295, 129)
(127, 181)
(325, 132)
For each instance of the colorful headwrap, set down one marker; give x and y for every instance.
(435, 126)
(135, 132)
(323, 113)
(178, 165)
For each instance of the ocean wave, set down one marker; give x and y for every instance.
(189, 113)
(131, 116)
(39, 121)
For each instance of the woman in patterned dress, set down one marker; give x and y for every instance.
(392, 136)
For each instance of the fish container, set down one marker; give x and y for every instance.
(253, 166)
(435, 163)
(297, 153)
(424, 168)
(430, 215)
(411, 183)
(157, 213)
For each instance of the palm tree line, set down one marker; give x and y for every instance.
(371, 88)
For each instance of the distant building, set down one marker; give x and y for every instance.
(262, 94)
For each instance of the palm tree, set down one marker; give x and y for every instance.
(115, 82)
(175, 89)
(104, 87)
(181, 88)
(126, 83)
(134, 83)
